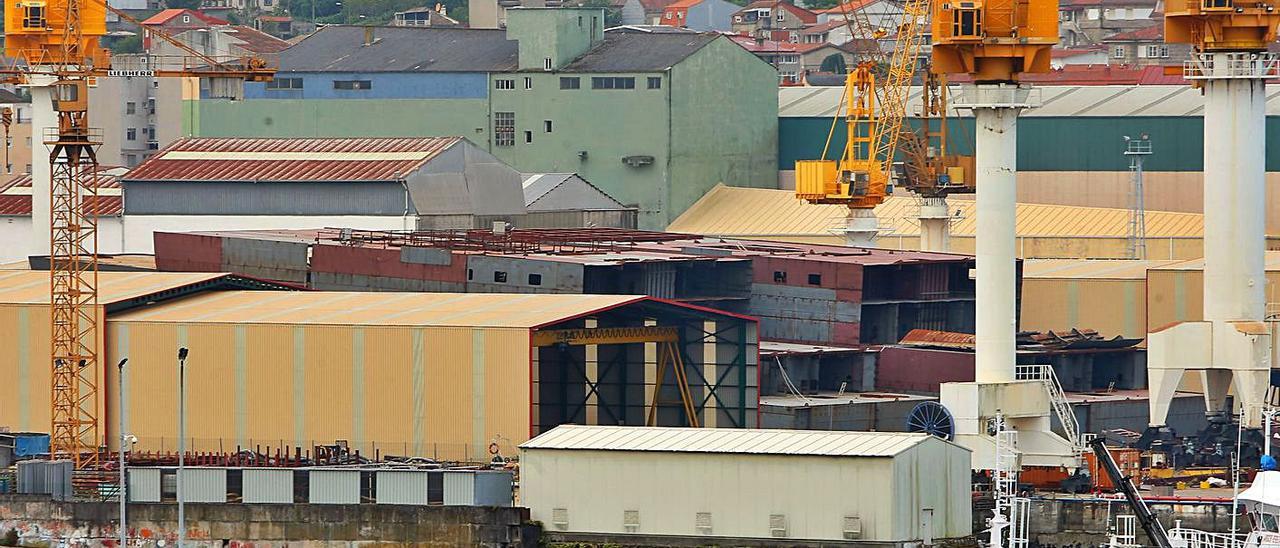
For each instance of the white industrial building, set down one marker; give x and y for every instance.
(797, 484)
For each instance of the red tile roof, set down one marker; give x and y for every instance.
(683, 4)
(166, 15)
(15, 195)
(855, 5)
(1099, 75)
(291, 160)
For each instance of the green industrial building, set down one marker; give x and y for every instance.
(653, 117)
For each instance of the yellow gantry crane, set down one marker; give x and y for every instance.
(56, 43)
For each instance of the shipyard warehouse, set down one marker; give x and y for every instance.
(643, 273)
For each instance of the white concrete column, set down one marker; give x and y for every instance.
(861, 227)
(996, 159)
(42, 116)
(1234, 198)
(935, 224)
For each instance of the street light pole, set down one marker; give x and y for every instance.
(123, 494)
(182, 443)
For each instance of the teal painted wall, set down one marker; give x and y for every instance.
(342, 118)
(608, 124)
(725, 128)
(1054, 144)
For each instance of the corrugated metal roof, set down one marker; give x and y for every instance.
(32, 286)
(729, 441)
(497, 310)
(562, 191)
(1272, 263)
(339, 48)
(735, 211)
(1058, 101)
(1089, 269)
(290, 160)
(640, 52)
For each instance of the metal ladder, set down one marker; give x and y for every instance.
(1057, 400)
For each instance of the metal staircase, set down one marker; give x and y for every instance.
(1057, 400)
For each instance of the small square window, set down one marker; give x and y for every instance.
(546, 126)
(131, 134)
(130, 107)
(655, 82)
(570, 83)
(528, 136)
(779, 276)
(186, 18)
(535, 279)
(500, 276)
(815, 279)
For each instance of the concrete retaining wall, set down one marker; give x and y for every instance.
(94, 524)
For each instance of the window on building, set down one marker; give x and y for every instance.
(815, 279)
(1118, 52)
(471, 274)
(780, 276)
(1067, 15)
(130, 160)
(186, 18)
(613, 82)
(130, 107)
(535, 279)
(655, 82)
(528, 136)
(504, 129)
(782, 16)
(528, 82)
(668, 15)
(546, 126)
(131, 134)
(1157, 51)
(505, 83)
(546, 61)
(352, 84)
(499, 276)
(289, 83)
(570, 83)
(679, 15)
(28, 169)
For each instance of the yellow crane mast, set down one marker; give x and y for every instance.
(56, 43)
(874, 117)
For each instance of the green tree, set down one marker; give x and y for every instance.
(834, 64)
(182, 4)
(127, 44)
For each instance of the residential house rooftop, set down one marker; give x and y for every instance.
(804, 15)
(164, 16)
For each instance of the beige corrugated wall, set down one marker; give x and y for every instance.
(24, 364)
(439, 392)
(1112, 307)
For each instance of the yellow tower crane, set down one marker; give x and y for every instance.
(57, 43)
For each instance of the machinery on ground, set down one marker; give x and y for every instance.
(1124, 485)
(52, 46)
